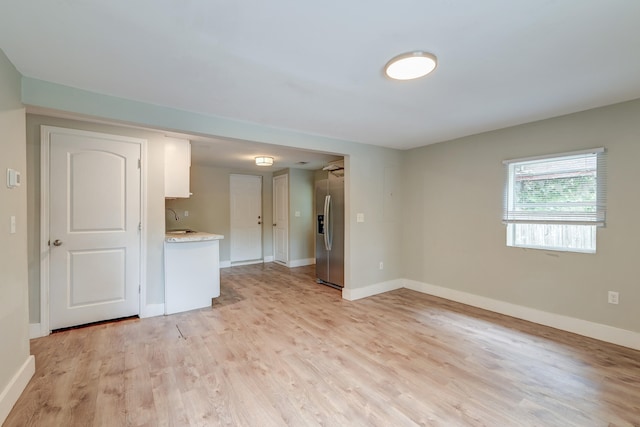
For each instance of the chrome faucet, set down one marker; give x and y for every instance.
(174, 213)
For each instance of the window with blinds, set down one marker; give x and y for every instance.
(556, 202)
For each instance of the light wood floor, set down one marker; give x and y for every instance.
(278, 349)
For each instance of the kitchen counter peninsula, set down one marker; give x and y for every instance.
(191, 270)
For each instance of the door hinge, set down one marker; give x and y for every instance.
(139, 226)
(139, 288)
(139, 163)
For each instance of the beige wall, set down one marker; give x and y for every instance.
(14, 325)
(154, 200)
(209, 206)
(301, 228)
(453, 235)
(373, 187)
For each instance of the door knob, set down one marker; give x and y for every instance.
(259, 222)
(274, 225)
(57, 242)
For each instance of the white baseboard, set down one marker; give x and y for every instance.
(301, 262)
(585, 328)
(376, 288)
(152, 310)
(239, 263)
(228, 263)
(13, 390)
(35, 330)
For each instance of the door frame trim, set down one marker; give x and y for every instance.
(45, 133)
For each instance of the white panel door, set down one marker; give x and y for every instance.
(281, 218)
(246, 217)
(94, 217)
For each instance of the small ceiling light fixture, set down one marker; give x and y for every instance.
(264, 161)
(409, 66)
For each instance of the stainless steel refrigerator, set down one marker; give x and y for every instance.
(330, 227)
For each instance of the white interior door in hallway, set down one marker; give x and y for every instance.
(94, 223)
(246, 218)
(281, 219)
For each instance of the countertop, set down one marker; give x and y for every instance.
(190, 236)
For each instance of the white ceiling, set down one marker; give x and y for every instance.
(316, 67)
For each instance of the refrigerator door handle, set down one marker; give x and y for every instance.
(327, 222)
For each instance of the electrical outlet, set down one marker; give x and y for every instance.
(614, 297)
(186, 213)
(381, 265)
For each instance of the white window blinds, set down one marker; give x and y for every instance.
(561, 189)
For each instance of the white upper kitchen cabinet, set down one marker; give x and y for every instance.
(177, 164)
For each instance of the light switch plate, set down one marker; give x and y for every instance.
(360, 217)
(13, 178)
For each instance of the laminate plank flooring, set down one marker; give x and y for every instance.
(278, 349)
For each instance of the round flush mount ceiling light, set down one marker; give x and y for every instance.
(409, 66)
(264, 161)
